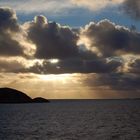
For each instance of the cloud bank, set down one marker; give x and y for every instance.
(95, 48)
(108, 39)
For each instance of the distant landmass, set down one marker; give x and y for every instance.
(8, 95)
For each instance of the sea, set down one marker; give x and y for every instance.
(71, 120)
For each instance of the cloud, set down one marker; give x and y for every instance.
(8, 26)
(8, 19)
(52, 40)
(9, 46)
(96, 5)
(114, 81)
(13, 41)
(133, 66)
(51, 6)
(128, 81)
(108, 39)
(132, 8)
(75, 66)
(35, 6)
(11, 64)
(84, 50)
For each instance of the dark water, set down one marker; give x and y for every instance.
(75, 120)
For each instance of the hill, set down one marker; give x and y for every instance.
(8, 95)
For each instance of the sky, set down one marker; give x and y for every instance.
(71, 49)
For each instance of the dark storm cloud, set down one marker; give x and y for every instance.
(8, 19)
(111, 39)
(76, 66)
(9, 46)
(103, 66)
(8, 27)
(52, 40)
(132, 8)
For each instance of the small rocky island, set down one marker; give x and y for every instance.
(11, 96)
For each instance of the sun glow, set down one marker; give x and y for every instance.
(53, 61)
(55, 78)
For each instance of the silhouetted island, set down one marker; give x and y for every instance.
(8, 95)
